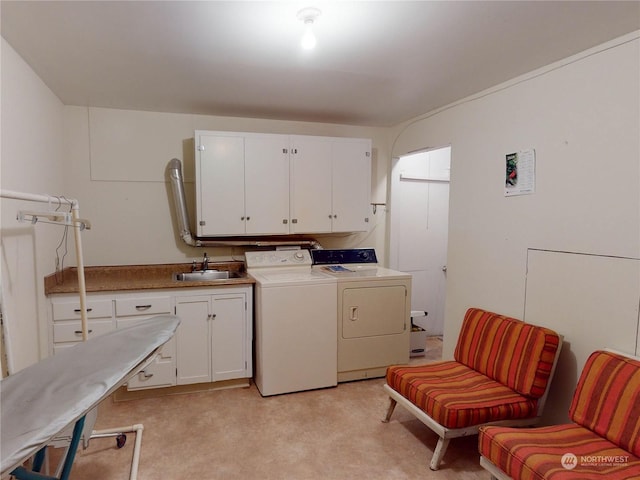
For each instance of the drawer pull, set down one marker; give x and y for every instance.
(77, 310)
(143, 307)
(145, 374)
(79, 332)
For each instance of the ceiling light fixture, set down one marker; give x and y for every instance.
(308, 16)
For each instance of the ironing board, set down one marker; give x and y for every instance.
(40, 401)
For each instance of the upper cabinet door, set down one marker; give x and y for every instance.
(310, 184)
(266, 161)
(220, 185)
(351, 186)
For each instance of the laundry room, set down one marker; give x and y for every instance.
(159, 162)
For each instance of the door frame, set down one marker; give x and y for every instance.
(393, 220)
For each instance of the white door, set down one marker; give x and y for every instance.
(220, 176)
(192, 340)
(266, 169)
(419, 230)
(228, 334)
(351, 185)
(310, 184)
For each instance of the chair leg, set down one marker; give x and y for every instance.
(392, 406)
(438, 453)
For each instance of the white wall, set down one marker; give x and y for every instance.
(116, 162)
(582, 117)
(32, 146)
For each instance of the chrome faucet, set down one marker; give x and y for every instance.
(205, 262)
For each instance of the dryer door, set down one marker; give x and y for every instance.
(373, 311)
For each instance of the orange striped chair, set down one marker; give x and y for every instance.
(500, 375)
(603, 442)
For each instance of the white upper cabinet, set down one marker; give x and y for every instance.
(242, 184)
(268, 184)
(330, 184)
(220, 184)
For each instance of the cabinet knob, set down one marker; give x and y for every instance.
(248, 218)
(294, 220)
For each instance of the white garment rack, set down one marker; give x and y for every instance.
(77, 224)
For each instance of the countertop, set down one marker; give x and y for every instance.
(138, 277)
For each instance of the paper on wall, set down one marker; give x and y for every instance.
(520, 170)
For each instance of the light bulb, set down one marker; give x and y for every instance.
(308, 16)
(308, 39)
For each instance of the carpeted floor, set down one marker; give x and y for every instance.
(327, 434)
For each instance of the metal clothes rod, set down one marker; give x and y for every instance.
(53, 217)
(419, 178)
(77, 223)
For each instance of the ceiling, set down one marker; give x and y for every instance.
(377, 63)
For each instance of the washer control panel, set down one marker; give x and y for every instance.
(277, 258)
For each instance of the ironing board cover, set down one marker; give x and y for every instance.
(38, 402)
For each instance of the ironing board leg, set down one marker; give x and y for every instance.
(73, 448)
(38, 459)
(22, 473)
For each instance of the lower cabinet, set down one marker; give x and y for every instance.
(214, 337)
(212, 343)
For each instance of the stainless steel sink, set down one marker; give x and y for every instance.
(204, 275)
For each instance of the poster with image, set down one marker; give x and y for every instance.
(520, 173)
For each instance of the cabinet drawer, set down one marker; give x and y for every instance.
(126, 307)
(71, 310)
(161, 372)
(72, 331)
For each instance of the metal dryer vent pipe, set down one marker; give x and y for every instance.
(180, 202)
(177, 187)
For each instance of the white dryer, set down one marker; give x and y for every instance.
(374, 312)
(295, 322)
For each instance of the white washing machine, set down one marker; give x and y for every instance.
(295, 322)
(374, 312)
